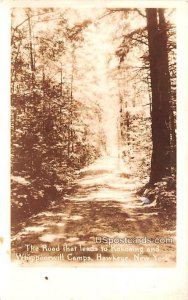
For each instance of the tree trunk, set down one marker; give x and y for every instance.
(160, 85)
(32, 64)
(32, 60)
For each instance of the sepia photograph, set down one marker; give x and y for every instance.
(93, 137)
(94, 149)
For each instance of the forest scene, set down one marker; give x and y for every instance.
(93, 136)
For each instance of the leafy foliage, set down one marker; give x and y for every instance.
(51, 136)
(72, 101)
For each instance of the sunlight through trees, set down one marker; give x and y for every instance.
(85, 84)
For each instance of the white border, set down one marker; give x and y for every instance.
(63, 284)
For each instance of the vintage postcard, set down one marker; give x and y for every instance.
(94, 124)
(93, 136)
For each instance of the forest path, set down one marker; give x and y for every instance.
(103, 204)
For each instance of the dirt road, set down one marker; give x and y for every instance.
(102, 223)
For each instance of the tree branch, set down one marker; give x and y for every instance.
(28, 18)
(139, 12)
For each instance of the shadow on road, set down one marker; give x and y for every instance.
(103, 203)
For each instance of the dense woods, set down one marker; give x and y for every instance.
(84, 84)
(148, 106)
(52, 131)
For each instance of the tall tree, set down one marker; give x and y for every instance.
(160, 86)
